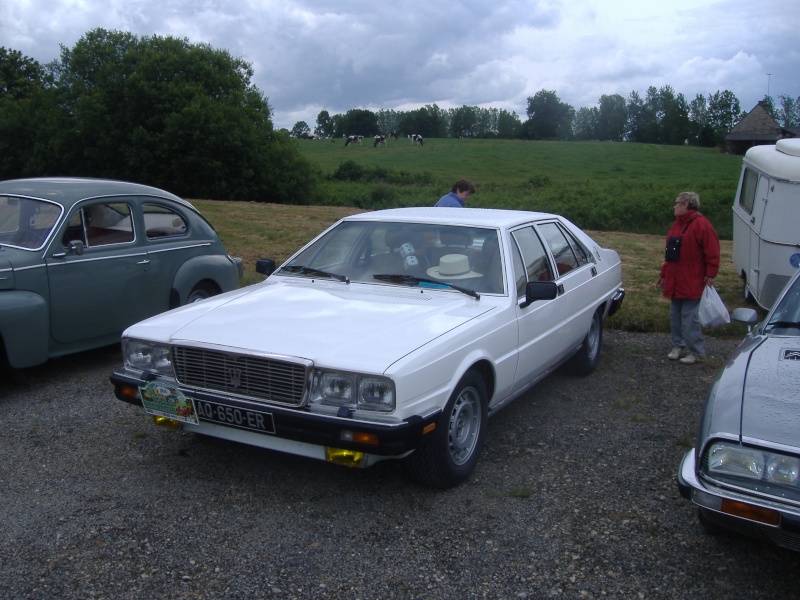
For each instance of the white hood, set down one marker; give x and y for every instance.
(356, 326)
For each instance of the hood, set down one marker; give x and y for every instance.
(771, 407)
(358, 327)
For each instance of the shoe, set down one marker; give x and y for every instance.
(675, 353)
(689, 359)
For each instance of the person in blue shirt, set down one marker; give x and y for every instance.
(461, 190)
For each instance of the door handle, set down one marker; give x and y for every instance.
(143, 262)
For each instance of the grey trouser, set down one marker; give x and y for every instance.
(684, 325)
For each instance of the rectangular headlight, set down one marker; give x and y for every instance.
(147, 356)
(362, 392)
(376, 393)
(732, 460)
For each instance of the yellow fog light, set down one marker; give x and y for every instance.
(165, 422)
(348, 458)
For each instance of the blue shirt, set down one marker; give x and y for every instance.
(450, 200)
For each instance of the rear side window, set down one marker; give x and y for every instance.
(567, 252)
(747, 195)
(100, 225)
(160, 222)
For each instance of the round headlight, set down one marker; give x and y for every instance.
(783, 469)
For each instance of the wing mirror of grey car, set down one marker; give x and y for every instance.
(265, 266)
(745, 315)
(76, 247)
(539, 290)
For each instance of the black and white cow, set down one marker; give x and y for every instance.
(380, 140)
(392, 134)
(354, 139)
(415, 139)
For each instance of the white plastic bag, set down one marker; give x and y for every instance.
(712, 311)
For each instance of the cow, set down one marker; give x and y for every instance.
(392, 134)
(380, 140)
(415, 139)
(354, 139)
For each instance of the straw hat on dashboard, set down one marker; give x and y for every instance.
(453, 266)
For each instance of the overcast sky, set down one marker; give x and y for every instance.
(313, 55)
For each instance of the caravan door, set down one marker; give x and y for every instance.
(753, 197)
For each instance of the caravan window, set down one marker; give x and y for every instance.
(747, 196)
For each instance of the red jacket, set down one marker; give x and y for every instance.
(699, 257)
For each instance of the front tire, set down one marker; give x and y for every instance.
(449, 454)
(587, 358)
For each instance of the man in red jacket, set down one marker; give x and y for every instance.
(685, 273)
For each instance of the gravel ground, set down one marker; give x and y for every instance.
(574, 497)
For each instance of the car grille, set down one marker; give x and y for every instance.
(259, 378)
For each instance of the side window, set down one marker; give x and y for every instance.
(107, 224)
(160, 222)
(563, 248)
(747, 195)
(534, 258)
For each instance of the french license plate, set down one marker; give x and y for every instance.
(232, 416)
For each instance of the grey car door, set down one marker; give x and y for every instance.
(98, 273)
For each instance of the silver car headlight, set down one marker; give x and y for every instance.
(753, 468)
(141, 355)
(354, 390)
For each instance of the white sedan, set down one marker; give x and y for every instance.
(393, 334)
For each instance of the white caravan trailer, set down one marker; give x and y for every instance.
(766, 220)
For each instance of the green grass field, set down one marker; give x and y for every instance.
(598, 185)
(622, 194)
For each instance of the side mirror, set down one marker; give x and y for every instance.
(745, 315)
(539, 290)
(76, 247)
(265, 266)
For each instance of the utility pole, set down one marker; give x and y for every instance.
(769, 76)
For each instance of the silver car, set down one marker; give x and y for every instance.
(744, 474)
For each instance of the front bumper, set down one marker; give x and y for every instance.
(757, 517)
(293, 430)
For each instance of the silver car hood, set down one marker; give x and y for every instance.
(771, 402)
(356, 326)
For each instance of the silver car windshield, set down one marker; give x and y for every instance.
(369, 252)
(25, 222)
(785, 318)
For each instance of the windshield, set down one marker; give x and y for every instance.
(26, 223)
(785, 318)
(464, 257)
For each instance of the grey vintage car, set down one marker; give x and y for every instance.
(744, 474)
(82, 259)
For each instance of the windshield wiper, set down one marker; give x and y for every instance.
(304, 270)
(427, 283)
(782, 325)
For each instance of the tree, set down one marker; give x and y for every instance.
(548, 117)
(586, 120)
(181, 116)
(789, 113)
(301, 130)
(324, 126)
(611, 118)
(358, 121)
(508, 124)
(20, 76)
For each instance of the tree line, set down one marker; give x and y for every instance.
(661, 116)
(158, 110)
(187, 117)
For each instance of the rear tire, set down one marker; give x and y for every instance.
(449, 454)
(587, 358)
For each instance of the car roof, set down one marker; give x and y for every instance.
(483, 217)
(69, 190)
